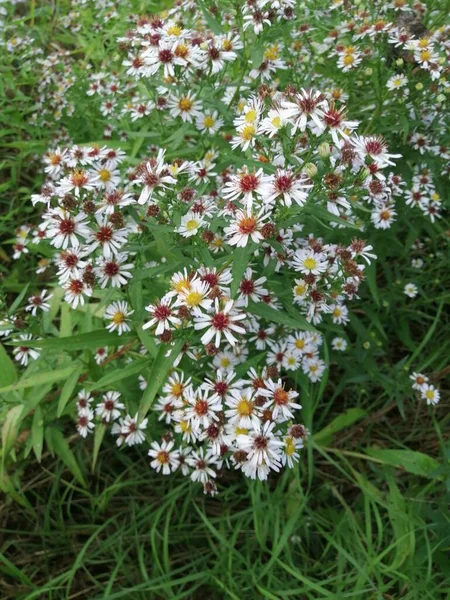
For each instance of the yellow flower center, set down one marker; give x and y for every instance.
(349, 59)
(194, 299)
(310, 263)
(250, 117)
(175, 30)
(191, 225)
(271, 53)
(185, 104)
(248, 132)
(208, 121)
(244, 407)
(300, 344)
(177, 389)
(185, 426)
(118, 318)
(104, 175)
(300, 290)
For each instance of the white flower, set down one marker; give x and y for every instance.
(23, 353)
(220, 321)
(163, 458)
(38, 301)
(430, 394)
(132, 431)
(339, 344)
(308, 261)
(163, 315)
(117, 313)
(279, 400)
(191, 222)
(263, 451)
(85, 423)
(201, 462)
(109, 408)
(201, 408)
(410, 290)
(242, 409)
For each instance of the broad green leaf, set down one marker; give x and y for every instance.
(158, 374)
(37, 433)
(39, 379)
(279, 316)
(68, 388)
(60, 447)
(347, 418)
(8, 373)
(410, 460)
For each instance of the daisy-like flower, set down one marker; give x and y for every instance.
(209, 122)
(109, 408)
(54, 162)
(242, 410)
(201, 463)
(375, 147)
(339, 344)
(164, 458)
(307, 261)
(348, 60)
(201, 408)
(70, 264)
(430, 394)
(338, 125)
(420, 380)
(250, 288)
(23, 353)
(133, 431)
(162, 315)
(64, 229)
(191, 222)
(245, 226)
(106, 178)
(154, 174)
(100, 355)
(222, 384)
(195, 296)
(85, 423)
(76, 290)
(286, 187)
(39, 301)
(314, 368)
(290, 451)
(383, 216)
(396, 82)
(114, 270)
(306, 110)
(263, 450)
(279, 401)
(176, 388)
(339, 313)
(225, 361)
(185, 106)
(245, 187)
(84, 401)
(79, 180)
(221, 321)
(300, 343)
(107, 237)
(189, 430)
(117, 314)
(411, 290)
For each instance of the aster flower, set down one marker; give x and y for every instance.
(117, 313)
(221, 321)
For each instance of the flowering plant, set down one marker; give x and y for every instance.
(202, 280)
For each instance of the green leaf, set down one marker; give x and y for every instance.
(158, 375)
(280, 317)
(413, 462)
(212, 23)
(8, 373)
(116, 375)
(68, 388)
(37, 433)
(98, 438)
(60, 447)
(81, 341)
(347, 418)
(39, 379)
(18, 300)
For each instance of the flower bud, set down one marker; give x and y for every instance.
(368, 71)
(399, 62)
(419, 86)
(324, 150)
(310, 169)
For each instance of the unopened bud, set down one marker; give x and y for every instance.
(419, 86)
(399, 62)
(310, 169)
(324, 149)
